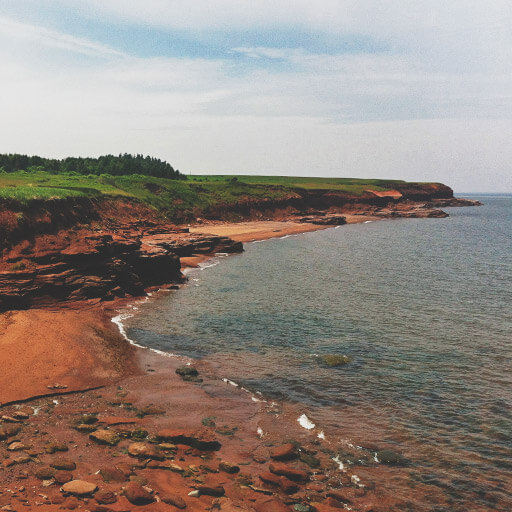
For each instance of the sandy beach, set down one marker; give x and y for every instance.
(263, 230)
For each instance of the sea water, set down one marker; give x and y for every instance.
(422, 307)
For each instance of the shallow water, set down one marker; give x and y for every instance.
(421, 306)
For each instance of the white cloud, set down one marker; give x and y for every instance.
(458, 33)
(388, 114)
(35, 35)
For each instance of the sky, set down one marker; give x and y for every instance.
(419, 90)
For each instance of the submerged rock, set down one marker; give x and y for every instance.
(335, 359)
(390, 457)
(188, 373)
(309, 460)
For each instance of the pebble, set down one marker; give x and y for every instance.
(175, 501)
(105, 497)
(45, 473)
(144, 451)
(64, 464)
(112, 474)
(229, 468)
(107, 437)
(284, 452)
(63, 477)
(16, 446)
(137, 495)
(293, 474)
(79, 488)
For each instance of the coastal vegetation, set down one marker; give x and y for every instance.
(155, 183)
(120, 165)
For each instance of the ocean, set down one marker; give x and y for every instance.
(421, 307)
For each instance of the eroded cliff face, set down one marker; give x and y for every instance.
(78, 249)
(65, 251)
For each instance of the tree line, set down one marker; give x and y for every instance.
(120, 165)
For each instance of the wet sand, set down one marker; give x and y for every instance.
(48, 351)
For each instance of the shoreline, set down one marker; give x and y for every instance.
(61, 332)
(148, 380)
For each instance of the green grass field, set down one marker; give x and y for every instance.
(172, 197)
(168, 196)
(352, 185)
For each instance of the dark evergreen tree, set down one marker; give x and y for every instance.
(121, 165)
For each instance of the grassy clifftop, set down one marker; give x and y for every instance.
(191, 197)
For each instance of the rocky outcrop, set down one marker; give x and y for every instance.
(325, 220)
(80, 265)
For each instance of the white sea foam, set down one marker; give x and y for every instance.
(305, 422)
(355, 480)
(118, 320)
(368, 221)
(338, 461)
(203, 266)
(227, 381)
